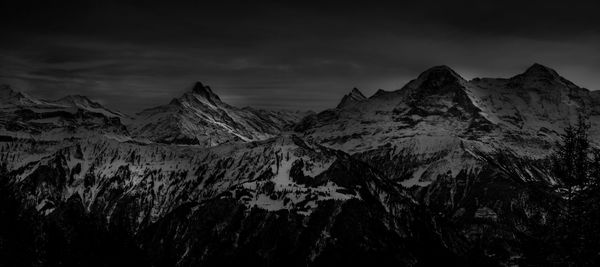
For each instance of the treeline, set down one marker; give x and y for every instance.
(571, 234)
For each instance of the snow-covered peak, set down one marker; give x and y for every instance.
(200, 117)
(355, 96)
(439, 116)
(204, 91)
(200, 96)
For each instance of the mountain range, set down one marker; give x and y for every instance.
(443, 166)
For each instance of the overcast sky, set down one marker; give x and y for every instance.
(133, 55)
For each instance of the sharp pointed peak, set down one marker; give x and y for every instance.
(200, 91)
(204, 91)
(354, 96)
(199, 86)
(356, 92)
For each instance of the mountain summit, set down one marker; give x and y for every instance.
(205, 92)
(355, 96)
(200, 117)
(442, 166)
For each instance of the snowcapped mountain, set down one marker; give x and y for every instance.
(442, 166)
(200, 117)
(85, 103)
(475, 153)
(302, 194)
(439, 121)
(24, 116)
(286, 165)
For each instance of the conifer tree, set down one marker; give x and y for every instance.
(577, 166)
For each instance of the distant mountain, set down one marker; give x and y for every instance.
(200, 117)
(24, 116)
(355, 96)
(443, 166)
(85, 103)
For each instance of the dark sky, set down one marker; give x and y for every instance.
(133, 55)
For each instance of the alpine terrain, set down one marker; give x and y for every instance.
(443, 171)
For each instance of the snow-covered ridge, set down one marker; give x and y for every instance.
(198, 117)
(13, 99)
(279, 173)
(85, 103)
(434, 120)
(23, 116)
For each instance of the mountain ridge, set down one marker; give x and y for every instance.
(200, 117)
(525, 114)
(441, 166)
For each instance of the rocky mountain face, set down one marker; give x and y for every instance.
(200, 117)
(439, 121)
(441, 171)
